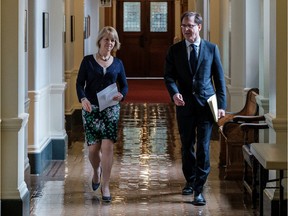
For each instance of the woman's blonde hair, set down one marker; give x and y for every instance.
(111, 33)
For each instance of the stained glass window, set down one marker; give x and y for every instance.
(158, 16)
(132, 17)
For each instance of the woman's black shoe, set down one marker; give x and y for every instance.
(95, 186)
(106, 198)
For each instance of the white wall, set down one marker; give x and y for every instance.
(91, 8)
(39, 64)
(46, 75)
(39, 77)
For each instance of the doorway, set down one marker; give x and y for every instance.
(146, 30)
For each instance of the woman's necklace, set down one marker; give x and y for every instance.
(103, 58)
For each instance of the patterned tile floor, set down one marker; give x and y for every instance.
(146, 175)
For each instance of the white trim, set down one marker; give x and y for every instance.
(43, 145)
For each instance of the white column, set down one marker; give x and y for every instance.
(224, 41)
(251, 34)
(277, 74)
(237, 55)
(264, 48)
(244, 50)
(202, 7)
(57, 85)
(224, 32)
(276, 59)
(264, 62)
(13, 116)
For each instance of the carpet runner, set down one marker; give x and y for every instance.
(147, 91)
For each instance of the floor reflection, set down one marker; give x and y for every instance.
(146, 176)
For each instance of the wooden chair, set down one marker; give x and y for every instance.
(252, 124)
(231, 137)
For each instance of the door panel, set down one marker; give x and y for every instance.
(145, 29)
(132, 54)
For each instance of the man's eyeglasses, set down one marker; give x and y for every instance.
(188, 26)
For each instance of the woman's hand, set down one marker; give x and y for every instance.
(118, 97)
(178, 99)
(86, 105)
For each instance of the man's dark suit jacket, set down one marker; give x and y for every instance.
(206, 81)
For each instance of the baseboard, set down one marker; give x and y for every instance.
(55, 150)
(16, 207)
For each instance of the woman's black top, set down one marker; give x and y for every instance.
(91, 78)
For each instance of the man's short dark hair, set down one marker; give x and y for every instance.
(197, 17)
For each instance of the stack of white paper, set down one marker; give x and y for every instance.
(212, 101)
(105, 97)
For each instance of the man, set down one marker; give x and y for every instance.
(191, 78)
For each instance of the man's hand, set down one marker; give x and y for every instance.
(221, 113)
(178, 99)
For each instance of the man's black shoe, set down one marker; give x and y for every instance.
(188, 189)
(199, 200)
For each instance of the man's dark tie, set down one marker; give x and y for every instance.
(193, 58)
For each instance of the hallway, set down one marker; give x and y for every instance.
(146, 175)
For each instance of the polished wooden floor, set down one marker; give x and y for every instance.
(146, 176)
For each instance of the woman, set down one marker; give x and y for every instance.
(96, 73)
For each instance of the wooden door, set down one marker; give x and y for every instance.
(146, 30)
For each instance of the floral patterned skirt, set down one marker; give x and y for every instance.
(101, 125)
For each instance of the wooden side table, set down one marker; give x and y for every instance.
(270, 157)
